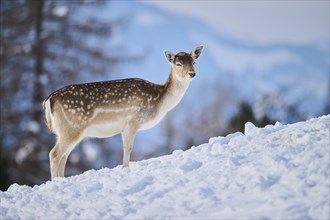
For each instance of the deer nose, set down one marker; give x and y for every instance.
(192, 74)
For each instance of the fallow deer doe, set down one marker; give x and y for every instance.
(104, 109)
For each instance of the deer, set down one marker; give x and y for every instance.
(107, 108)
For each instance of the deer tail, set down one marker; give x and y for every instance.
(48, 113)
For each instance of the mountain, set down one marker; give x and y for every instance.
(276, 172)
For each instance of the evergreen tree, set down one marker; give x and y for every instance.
(246, 114)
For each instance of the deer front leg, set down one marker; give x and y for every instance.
(128, 136)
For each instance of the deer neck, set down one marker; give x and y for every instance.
(174, 89)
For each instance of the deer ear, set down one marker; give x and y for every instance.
(169, 56)
(197, 52)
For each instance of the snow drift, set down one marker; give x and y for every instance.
(277, 172)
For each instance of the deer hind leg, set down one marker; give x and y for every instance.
(59, 155)
(128, 136)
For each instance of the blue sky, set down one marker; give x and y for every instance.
(261, 21)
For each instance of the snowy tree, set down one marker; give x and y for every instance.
(44, 46)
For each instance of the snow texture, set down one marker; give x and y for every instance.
(276, 172)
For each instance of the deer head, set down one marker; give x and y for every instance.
(183, 63)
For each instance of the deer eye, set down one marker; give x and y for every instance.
(178, 64)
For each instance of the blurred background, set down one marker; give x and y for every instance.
(262, 62)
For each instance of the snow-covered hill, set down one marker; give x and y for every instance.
(276, 172)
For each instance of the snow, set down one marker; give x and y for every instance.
(276, 172)
(60, 11)
(33, 127)
(24, 152)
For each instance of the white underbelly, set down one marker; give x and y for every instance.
(104, 130)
